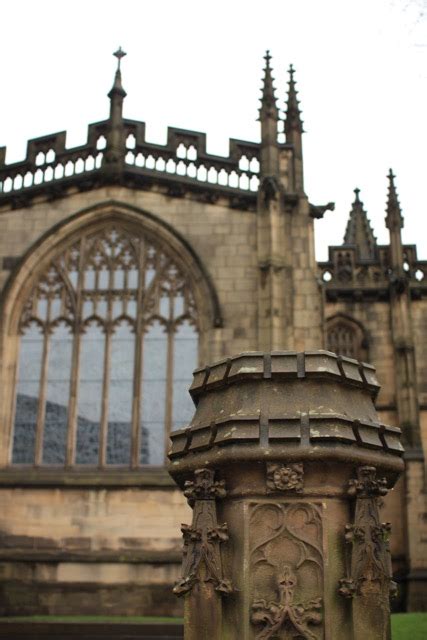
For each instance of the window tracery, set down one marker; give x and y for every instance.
(346, 337)
(109, 339)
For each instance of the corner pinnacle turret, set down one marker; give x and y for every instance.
(293, 121)
(394, 217)
(269, 116)
(359, 231)
(394, 223)
(269, 107)
(293, 131)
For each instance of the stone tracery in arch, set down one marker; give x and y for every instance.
(109, 338)
(346, 337)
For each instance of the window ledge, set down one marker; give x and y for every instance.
(107, 556)
(157, 477)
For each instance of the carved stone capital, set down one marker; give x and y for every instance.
(204, 487)
(367, 485)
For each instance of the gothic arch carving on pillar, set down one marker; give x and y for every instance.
(131, 281)
(347, 336)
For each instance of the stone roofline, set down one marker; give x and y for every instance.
(175, 137)
(180, 167)
(347, 277)
(183, 168)
(182, 164)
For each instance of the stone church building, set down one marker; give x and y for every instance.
(123, 266)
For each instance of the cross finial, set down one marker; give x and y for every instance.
(267, 58)
(291, 72)
(119, 55)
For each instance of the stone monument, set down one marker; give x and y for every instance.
(284, 464)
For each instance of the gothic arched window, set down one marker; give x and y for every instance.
(109, 340)
(346, 337)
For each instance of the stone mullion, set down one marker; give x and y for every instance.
(138, 363)
(75, 363)
(169, 375)
(41, 412)
(16, 345)
(106, 379)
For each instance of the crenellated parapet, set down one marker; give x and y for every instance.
(181, 165)
(116, 152)
(346, 277)
(360, 269)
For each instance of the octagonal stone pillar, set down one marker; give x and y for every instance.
(284, 465)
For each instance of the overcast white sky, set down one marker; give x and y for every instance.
(361, 67)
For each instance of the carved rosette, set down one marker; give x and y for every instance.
(202, 540)
(370, 572)
(282, 477)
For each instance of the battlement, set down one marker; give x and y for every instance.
(183, 158)
(346, 276)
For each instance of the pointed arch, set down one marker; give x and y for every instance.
(82, 268)
(42, 250)
(347, 336)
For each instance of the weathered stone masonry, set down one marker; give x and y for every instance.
(241, 229)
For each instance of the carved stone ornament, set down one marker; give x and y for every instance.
(202, 540)
(287, 551)
(204, 487)
(286, 614)
(282, 477)
(370, 570)
(269, 188)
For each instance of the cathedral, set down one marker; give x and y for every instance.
(126, 264)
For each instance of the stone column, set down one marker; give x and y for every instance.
(284, 464)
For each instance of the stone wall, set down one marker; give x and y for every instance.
(51, 537)
(120, 547)
(406, 505)
(223, 238)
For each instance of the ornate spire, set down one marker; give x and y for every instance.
(394, 218)
(293, 120)
(268, 101)
(359, 231)
(269, 116)
(117, 88)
